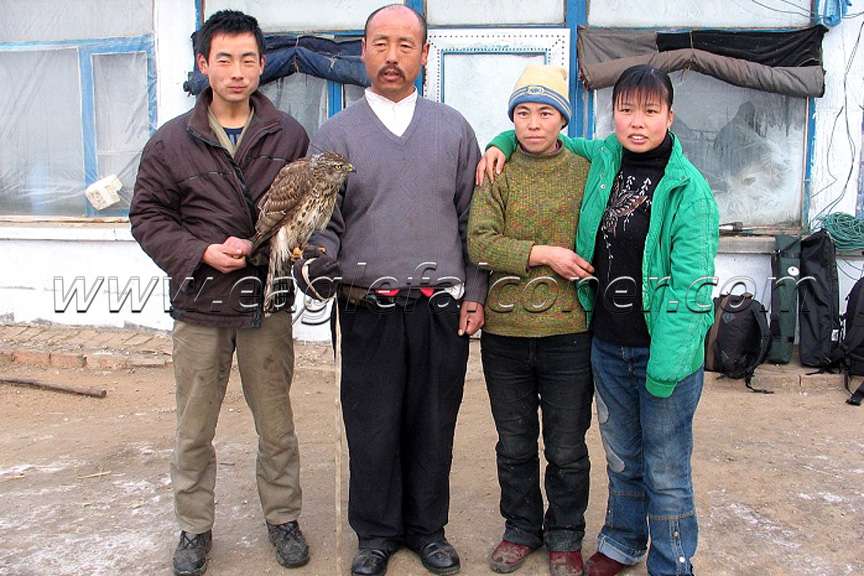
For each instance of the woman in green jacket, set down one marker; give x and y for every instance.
(649, 226)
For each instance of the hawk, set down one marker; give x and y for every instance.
(299, 201)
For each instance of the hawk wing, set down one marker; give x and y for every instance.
(281, 200)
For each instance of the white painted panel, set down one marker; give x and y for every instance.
(699, 13)
(750, 145)
(493, 12)
(839, 118)
(474, 70)
(35, 20)
(479, 86)
(303, 15)
(175, 23)
(27, 293)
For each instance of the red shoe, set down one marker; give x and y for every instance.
(508, 557)
(601, 565)
(567, 563)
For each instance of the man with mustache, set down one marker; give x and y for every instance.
(408, 298)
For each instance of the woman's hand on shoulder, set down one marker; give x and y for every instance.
(490, 165)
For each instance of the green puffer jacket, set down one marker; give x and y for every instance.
(678, 263)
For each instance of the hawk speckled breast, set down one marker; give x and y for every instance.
(299, 202)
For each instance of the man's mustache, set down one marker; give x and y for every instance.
(391, 68)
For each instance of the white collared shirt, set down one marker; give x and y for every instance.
(396, 116)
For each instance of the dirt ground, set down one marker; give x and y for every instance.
(84, 487)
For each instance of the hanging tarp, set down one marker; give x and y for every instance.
(750, 60)
(802, 81)
(603, 44)
(787, 49)
(286, 55)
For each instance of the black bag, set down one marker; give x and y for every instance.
(785, 262)
(853, 340)
(818, 301)
(738, 341)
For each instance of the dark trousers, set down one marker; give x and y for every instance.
(403, 371)
(552, 374)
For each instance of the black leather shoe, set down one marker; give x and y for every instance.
(440, 558)
(370, 562)
(291, 548)
(190, 556)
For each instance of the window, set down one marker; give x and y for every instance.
(750, 146)
(474, 69)
(78, 102)
(302, 96)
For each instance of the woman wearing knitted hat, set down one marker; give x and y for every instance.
(649, 225)
(535, 345)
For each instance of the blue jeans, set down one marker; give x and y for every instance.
(648, 443)
(553, 375)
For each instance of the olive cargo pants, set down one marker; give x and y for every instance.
(202, 363)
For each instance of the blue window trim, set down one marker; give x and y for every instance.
(86, 50)
(577, 15)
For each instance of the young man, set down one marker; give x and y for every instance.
(408, 296)
(198, 184)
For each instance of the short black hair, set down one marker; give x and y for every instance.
(230, 22)
(420, 18)
(643, 82)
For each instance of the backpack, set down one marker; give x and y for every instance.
(785, 262)
(738, 340)
(853, 341)
(818, 303)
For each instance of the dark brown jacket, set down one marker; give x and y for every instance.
(190, 193)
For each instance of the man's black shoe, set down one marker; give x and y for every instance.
(291, 548)
(190, 557)
(370, 562)
(440, 558)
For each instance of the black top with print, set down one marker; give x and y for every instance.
(620, 245)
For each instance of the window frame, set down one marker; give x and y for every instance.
(86, 50)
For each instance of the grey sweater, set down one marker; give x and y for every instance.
(402, 218)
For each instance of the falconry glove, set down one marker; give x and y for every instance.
(317, 273)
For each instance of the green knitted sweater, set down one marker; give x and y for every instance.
(534, 201)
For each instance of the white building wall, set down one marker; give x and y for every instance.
(31, 255)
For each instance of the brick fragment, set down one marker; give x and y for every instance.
(67, 360)
(32, 357)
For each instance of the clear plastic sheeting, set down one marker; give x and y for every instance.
(302, 96)
(302, 15)
(44, 20)
(351, 94)
(699, 14)
(122, 118)
(42, 153)
(749, 144)
(493, 12)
